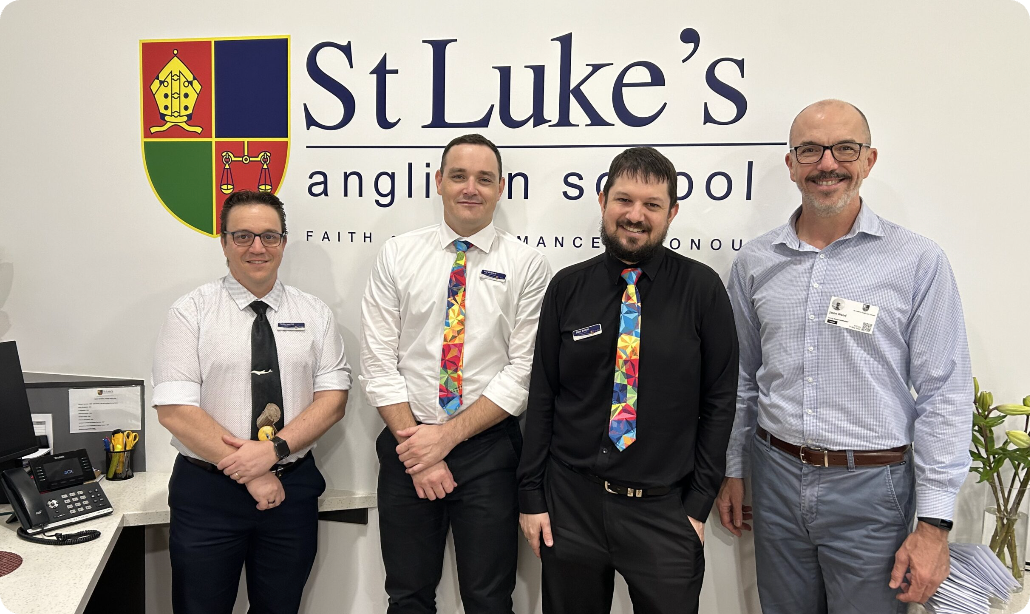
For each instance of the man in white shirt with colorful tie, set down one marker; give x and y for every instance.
(449, 321)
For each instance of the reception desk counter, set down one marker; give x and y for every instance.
(62, 579)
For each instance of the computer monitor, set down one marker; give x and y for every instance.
(17, 437)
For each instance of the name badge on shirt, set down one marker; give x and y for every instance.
(852, 315)
(492, 275)
(290, 326)
(583, 333)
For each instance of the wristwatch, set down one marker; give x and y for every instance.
(940, 523)
(282, 449)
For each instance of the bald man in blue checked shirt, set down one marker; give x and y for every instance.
(841, 314)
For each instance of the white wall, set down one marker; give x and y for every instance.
(90, 261)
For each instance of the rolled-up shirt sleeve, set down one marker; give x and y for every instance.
(380, 378)
(333, 371)
(176, 371)
(509, 389)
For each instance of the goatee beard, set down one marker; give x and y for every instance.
(833, 208)
(631, 256)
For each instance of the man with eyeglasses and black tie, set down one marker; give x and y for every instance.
(841, 314)
(248, 374)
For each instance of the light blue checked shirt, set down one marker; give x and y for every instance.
(812, 383)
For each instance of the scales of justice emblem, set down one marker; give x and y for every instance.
(206, 105)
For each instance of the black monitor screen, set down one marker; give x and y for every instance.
(16, 435)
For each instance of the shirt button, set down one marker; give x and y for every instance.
(604, 451)
(811, 317)
(809, 412)
(823, 256)
(815, 284)
(808, 379)
(811, 348)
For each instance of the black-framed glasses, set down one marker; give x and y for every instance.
(845, 151)
(245, 238)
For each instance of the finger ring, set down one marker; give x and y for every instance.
(237, 474)
(272, 502)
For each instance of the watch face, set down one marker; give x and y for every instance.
(282, 449)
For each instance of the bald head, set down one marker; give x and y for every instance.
(818, 112)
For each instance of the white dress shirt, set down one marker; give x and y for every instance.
(403, 311)
(203, 354)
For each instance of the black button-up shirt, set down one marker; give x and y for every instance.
(686, 390)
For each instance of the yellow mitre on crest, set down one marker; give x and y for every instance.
(175, 91)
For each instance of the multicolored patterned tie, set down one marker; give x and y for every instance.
(454, 333)
(622, 426)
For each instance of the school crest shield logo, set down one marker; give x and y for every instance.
(215, 118)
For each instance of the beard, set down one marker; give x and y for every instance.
(641, 253)
(832, 208)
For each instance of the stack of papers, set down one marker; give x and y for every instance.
(976, 576)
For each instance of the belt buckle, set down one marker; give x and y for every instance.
(826, 455)
(630, 492)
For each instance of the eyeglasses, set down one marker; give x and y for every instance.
(845, 151)
(245, 238)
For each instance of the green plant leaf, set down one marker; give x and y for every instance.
(995, 421)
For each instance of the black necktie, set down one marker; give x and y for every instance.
(265, 384)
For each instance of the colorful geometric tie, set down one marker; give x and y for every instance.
(454, 333)
(622, 425)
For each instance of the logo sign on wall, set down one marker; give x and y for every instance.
(215, 119)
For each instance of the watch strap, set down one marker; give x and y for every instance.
(940, 523)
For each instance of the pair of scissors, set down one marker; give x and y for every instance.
(130, 439)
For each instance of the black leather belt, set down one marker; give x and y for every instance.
(617, 489)
(278, 470)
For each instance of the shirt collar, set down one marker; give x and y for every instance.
(243, 297)
(484, 239)
(649, 267)
(867, 222)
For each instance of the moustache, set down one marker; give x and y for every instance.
(636, 227)
(829, 175)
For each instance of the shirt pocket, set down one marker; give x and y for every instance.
(296, 350)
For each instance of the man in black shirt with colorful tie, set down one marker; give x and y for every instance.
(631, 405)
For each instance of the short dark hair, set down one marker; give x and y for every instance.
(645, 163)
(249, 197)
(471, 139)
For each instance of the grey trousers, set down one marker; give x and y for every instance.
(825, 537)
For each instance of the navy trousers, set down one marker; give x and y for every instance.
(482, 512)
(216, 529)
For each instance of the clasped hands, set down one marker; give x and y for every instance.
(249, 465)
(422, 454)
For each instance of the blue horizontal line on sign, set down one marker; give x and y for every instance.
(587, 146)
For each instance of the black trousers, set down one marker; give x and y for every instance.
(216, 528)
(482, 512)
(649, 541)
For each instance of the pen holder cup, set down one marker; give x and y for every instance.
(119, 465)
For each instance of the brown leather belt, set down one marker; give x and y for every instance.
(836, 458)
(278, 470)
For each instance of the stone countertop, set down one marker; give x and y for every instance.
(60, 579)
